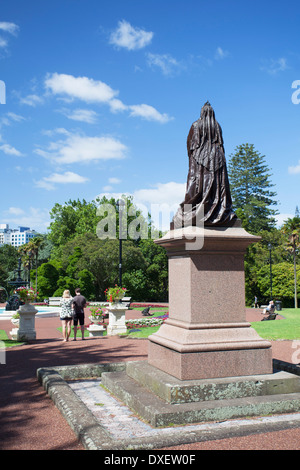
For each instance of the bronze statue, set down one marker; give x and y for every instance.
(207, 187)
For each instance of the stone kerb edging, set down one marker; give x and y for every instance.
(76, 413)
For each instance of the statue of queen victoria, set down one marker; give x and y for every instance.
(207, 197)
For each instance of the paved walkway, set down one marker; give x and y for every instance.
(29, 419)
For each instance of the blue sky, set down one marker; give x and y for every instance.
(100, 96)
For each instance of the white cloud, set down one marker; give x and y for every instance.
(162, 193)
(32, 100)
(220, 53)
(117, 106)
(15, 117)
(44, 185)
(83, 88)
(93, 91)
(82, 149)
(82, 115)
(9, 150)
(273, 66)
(3, 43)
(161, 201)
(63, 178)
(114, 180)
(281, 218)
(7, 27)
(8, 118)
(149, 113)
(165, 62)
(35, 218)
(294, 170)
(129, 37)
(15, 211)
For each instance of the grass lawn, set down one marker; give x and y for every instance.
(284, 329)
(289, 328)
(143, 332)
(8, 343)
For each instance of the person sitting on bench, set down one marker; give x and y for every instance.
(270, 308)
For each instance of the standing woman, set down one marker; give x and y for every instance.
(66, 314)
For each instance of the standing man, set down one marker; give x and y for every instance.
(79, 302)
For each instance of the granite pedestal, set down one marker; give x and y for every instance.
(206, 334)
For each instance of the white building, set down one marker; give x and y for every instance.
(15, 237)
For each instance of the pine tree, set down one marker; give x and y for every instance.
(251, 186)
(291, 228)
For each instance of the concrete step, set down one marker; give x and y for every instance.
(158, 412)
(173, 390)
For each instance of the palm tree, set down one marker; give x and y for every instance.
(26, 257)
(34, 246)
(291, 228)
(30, 251)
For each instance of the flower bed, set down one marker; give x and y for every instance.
(137, 305)
(145, 322)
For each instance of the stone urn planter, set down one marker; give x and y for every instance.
(116, 310)
(95, 321)
(116, 322)
(96, 330)
(15, 322)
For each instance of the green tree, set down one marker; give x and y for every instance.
(258, 256)
(47, 279)
(283, 282)
(156, 272)
(8, 263)
(291, 228)
(251, 189)
(71, 219)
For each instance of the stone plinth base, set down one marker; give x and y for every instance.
(95, 330)
(205, 365)
(26, 331)
(14, 333)
(209, 350)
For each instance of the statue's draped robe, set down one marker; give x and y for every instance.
(207, 182)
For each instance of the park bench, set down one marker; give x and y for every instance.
(126, 301)
(54, 301)
(271, 316)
